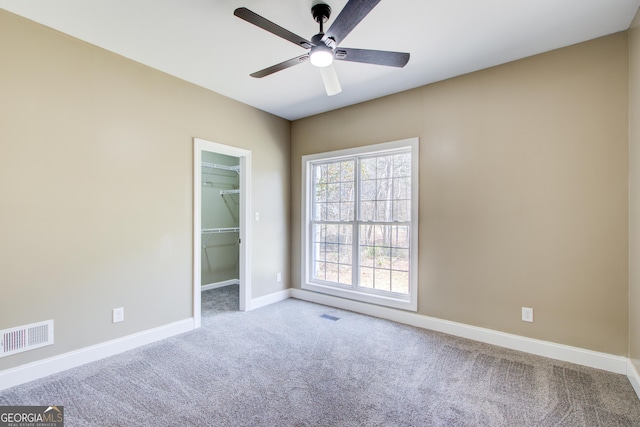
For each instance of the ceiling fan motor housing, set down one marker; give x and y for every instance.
(317, 39)
(321, 12)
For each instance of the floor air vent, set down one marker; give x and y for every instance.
(27, 337)
(330, 317)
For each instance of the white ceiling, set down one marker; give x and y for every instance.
(202, 42)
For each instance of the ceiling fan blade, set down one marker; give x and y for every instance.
(330, 80)
(281, 66)
(350, 16)
(377, 57)
(265, 24)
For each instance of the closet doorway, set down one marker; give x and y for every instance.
(221, 234)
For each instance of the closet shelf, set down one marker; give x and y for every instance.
(211, 166)
(221, 230)
(223, 192)
(208, 232)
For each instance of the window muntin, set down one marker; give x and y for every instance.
(359, 223)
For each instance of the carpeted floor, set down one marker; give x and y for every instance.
(300, 364)
(220, 300)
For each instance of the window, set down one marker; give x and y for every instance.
(360, 223)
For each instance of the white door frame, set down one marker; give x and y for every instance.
(200, 145)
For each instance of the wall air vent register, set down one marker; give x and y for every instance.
(27, 337)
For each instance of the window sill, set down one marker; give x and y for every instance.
(382, 300)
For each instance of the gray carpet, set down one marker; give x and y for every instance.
(220, 300)
(300, 364)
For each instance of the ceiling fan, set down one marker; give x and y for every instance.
(323, 47)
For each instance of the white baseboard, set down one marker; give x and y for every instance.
(222, 284)
(269, 299)
(634, 377)
(580, 356)
(42, 368)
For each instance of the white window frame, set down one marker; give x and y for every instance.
(408, 302)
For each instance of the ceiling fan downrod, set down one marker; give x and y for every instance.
(321, 13)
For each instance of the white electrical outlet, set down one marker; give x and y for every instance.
(278, 277)
(257, 215)
(527, 314)
(118, 314)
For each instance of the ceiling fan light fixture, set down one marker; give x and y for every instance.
(321, 56)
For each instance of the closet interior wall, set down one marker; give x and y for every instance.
(220, 219)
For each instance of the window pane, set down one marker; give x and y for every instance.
(400, 259)
(346, 171)
(319, 232)
(400, 237)
(368, 190)
(321, 192)
(320, 173)
(384, 211)
(319, 250)
(384, 257)
(345, 275)
(400, 282)
(367, 255)
(332, 272)
(382, 235)
(367, 234)
(333, 172)
(333, 192)
(383, 189)
(319, 270)
(366, 277)
(344, 256)
(382, 279)
(332, 212)
(319, 211)
(402, 165)
(367, 211)
(332, 253)
(332, 233)
(368, 168)
(401, 188)
(346, 191)
(384, 166)
(346, 211)
(402, 211)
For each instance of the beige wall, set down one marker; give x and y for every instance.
(523, 191)
(634, 192)
(96, 187)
